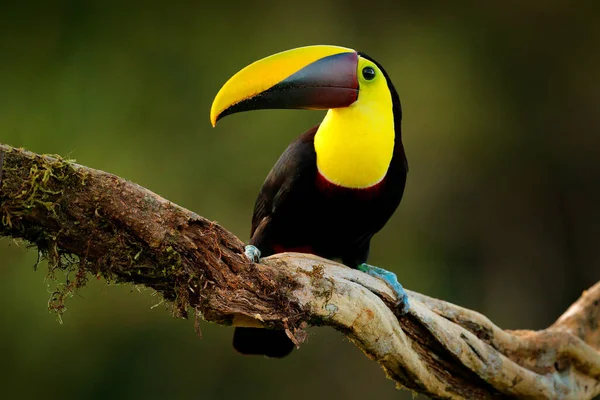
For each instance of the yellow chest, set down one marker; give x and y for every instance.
(355, 145)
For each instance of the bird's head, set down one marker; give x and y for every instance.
(312, 77)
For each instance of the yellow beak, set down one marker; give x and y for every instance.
(312, 77)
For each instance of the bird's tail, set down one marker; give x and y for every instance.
(258, 341)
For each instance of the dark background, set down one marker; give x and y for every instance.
(501, 212)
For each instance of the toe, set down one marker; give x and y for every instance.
(252, 253)
(392, 280)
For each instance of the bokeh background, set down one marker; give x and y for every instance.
(501, 212)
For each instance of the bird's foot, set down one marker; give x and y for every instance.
(391, 279)
(252, 253)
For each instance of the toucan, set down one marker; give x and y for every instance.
(335, 185)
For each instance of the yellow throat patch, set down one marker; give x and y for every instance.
(355, 145)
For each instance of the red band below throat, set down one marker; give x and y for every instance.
(329, 188)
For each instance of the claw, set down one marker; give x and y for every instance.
(252, 253)
(392, 280)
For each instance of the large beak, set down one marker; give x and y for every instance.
(313, 77)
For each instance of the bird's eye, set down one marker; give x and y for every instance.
(368, 73)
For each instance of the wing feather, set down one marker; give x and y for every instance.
(286, 183)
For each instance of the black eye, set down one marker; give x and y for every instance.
(368, 73)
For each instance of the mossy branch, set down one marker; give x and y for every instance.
(89, 222)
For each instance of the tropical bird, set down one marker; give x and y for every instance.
(337, 184)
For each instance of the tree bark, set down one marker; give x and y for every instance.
(88, 222)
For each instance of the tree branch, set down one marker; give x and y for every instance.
(88, 222)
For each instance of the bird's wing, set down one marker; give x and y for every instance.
(293, 172)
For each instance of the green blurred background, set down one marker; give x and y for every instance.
(501, 214)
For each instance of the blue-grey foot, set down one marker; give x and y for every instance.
(391, 279)
(252, 253)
